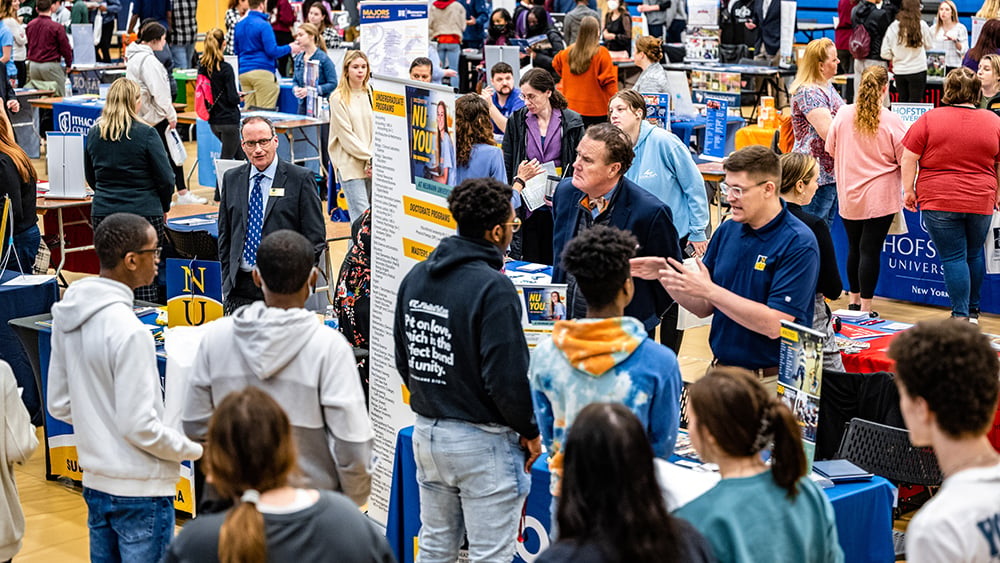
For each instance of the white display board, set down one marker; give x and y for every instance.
(392, 35)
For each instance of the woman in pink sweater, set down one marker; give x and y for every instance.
(866, 141)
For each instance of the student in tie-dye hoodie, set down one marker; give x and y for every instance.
(606, 357)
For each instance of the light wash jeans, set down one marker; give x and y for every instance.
(959, 239)
(824, 203)
(124, 529)
(449, 54)
(472, 481)
(357, 192)
(182, 55)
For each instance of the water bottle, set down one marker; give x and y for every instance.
(329, 319)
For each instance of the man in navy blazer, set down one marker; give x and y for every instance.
(264, 195)
(767, 17)
(599, 194)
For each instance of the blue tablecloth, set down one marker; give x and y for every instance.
(863, 511)
(685, 128)
(16, 302)
(76, 114)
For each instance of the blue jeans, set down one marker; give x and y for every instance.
(25, 250)
(128, 528)
(824, 203)
(959, 239)
(356, 192)
(449, 53)
(472, 481)
(182, 55)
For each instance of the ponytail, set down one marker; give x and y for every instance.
(868, 107)
(242, 538)
(788, 459)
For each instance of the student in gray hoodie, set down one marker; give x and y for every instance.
(307, 367)
(103, 380)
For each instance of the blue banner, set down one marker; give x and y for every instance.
(716, 111)
(75, 117)
(194, 292)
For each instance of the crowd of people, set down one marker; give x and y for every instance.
(275, 410)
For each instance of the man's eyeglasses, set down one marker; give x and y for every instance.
(735, 191)
(515, 225)
(156, 252)
(250, 145)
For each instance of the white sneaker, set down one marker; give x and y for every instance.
(190, 198)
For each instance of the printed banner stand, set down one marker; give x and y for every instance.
(910, 113)
(392, 35)
(800, 380)
(716, 111)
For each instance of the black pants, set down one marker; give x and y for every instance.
(911, 87)
(104, 47)
(229, 134)
(589, 120)
(284, 38)
(22, 73)
(671, 336)
(179, 182)
(864, 254)
(674, 31)
(244, 292)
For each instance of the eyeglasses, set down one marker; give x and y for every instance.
(250, 145)
(735, 191)
(530, 97)
(156, 252)
(515, 225)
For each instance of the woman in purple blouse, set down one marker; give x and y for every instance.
(543, 131)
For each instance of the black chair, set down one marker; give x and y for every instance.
(887, 451)
(194, 244)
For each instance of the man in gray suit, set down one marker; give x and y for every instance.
(262, 196)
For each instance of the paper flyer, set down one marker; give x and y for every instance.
(800, 379)
(407, 224)
(716, 111)
(392, 35)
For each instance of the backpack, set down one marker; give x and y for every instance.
(859, 43)
(203, 97)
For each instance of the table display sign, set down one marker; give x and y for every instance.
(800, 379)
(701, 44)
(935, 64)
(788, 18)
(194, 292)
(541, 306)
(392, 35)
(910, 113)
(715, 84)
(658, 110)
(716, 114)
(84, 52)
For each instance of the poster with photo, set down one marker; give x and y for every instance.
(541, 306)
(714, 84)
(658, 110)
(800, 379)
(702, 44)
(935, 65)
(432, 139)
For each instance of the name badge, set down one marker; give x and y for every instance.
(276, 192)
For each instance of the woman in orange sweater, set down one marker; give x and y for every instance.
(589, 78)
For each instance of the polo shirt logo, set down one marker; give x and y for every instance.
(761, 263)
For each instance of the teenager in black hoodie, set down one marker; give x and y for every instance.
(461, 353)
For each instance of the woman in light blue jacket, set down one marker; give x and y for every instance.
(663, 166)
(313, 49)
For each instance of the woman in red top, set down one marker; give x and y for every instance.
(957, 187)
(589, 78)
(282, 19)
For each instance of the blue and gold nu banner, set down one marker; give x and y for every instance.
(194, 292)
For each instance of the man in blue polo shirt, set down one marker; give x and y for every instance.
(504, 97)
(258, 52)
(760, 269)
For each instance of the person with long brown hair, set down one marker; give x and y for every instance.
(866, 141)
(250, 457)
(477, 155)
(351, 132)
(732, 418)
(987, 44)
(17, 181)
(609, 472)
(905, 46)
(589, 78)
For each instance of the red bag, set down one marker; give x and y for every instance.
(860, 43)
(203, 97)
